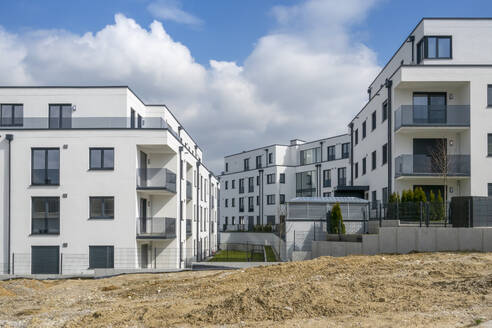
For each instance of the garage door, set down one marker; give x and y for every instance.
(45, 260)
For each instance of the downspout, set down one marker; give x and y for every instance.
(351, 125)
(318, 169)
(180, 203)
(197, 207)
(261, 195)
(209, 211)
(9, 138)
(411, 39)
(388, 84)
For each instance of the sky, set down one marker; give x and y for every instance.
(237, 74)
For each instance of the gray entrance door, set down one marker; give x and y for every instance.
(45, 260)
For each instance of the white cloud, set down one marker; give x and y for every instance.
(171, 10)
(306, 79)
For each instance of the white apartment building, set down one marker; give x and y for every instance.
(256, 184)
(91, 177)
(436, 90)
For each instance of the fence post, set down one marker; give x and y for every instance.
(398, 210)
(427, 217)
(420, 214)
(155, 258)
(61, 263)
(13, 263)
(380, 218)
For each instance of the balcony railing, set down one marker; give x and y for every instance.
(425, 165)
(156, 227)
(156, 179)
(432, 116)
(189, 230)
(189, 191)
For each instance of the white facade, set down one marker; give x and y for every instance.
(437, 86)
(136, 204)
(275, 174)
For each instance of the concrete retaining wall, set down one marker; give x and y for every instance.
(402, 240)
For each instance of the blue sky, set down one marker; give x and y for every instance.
(230, 28)
(237, 74)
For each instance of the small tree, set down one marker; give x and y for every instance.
(336, 221)
(419, 195)
(441, 164)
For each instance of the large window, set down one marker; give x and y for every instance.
(60, 116)
(356, 136)
(385, 153)
(331, 153)
(373, 121)
(310, 156)
(45, 215)
(282, 178)
(434, 47)
(246, 164)
(45, 166)
(11, 114)
(342, 176)
(373, 155)
(241, 204)
(258, 162)
(101, 257)
(241, 186)
(270, 199)
(345, 150)
(251, 206)
(364, 130)
(282, 199)
(356, 169)
(271, 178)
(251, 184)
(364, 163)
(489, 95)
(385, 111)
(306, 184)
(101, 207)
(326, 178)
(101, 158)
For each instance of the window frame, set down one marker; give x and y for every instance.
(423, 44)
(489, 95)
(103, 217)
(281, 198)
(384, 157)
(46, 149)
(327, 182)
(373, 121)
(271, 199)
(374, 160)
(102, 150)
(331, 153)
(246, 164)
(60, 118)
(13, 118)
(364, 130)
(347, 153)
(45, 199)
(282, 178)
(489, 144)
(384, 109)
(339, 176)
(271, 178)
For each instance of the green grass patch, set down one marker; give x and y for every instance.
(270, 254)
(237, 256)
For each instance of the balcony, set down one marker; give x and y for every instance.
(454, 117)
(156, 180)
(189, 191)
(189, 230)
(424, 166)
(156, 228)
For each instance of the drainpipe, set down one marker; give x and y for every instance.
(388, 84)
(261, 194)
(197, 207)
(351, 126)
(180, 214)
(209, 210)
(411, 39)
(318, 169)
(9, 138)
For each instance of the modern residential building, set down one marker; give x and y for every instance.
(256, 184)
(91, 177)
(433, 97)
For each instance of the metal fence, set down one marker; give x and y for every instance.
(235, 252)
(421, 213)
(133, 259)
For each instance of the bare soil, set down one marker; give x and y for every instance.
(415, 290)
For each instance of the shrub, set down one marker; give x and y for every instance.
(419, 195)
(336, 220)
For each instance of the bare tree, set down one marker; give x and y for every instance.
(442, 164)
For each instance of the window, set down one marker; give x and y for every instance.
(271, 178)
(282, 199)
(258, 162)
(246, 164)
(282, 177)
(489, 95)
(45, 215)
(132, 118)
(374, 199)
(233, 219)
(373, 155)
(45, 166)
(342, 176)
(60, 116)
(11, 114)
(327, 194)
(270, 158)
(385, 111)
(233, 184)
(258, 200)
(226, 167)
(271, 219)
(356, 169)
(101, 158)
(364, 129)
(257, 180)
(326, 178)
(373, 121)
(434, 47)
(241, 186)
(251, 184)
(226, 220)
(227, 185)
(331, 153)
(385, 153)
(139, 121)
(241, 204)
(385, 195)
(226, 204)
(101, 257)
(356, 136)
(310, 156)
(233, 202)
(306, 184)
(345, 150)
(101, 207)
(270, 199)
(251, 206)
(490, 144)
(364, 166)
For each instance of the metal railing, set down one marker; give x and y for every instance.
(189, 190)
(87, 123)
(408, 165)
(156, 178)
(434, 115)
(239, 253)
(156, 227)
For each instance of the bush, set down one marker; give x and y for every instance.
(419, 195)
(394, 198)
(336, 221)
